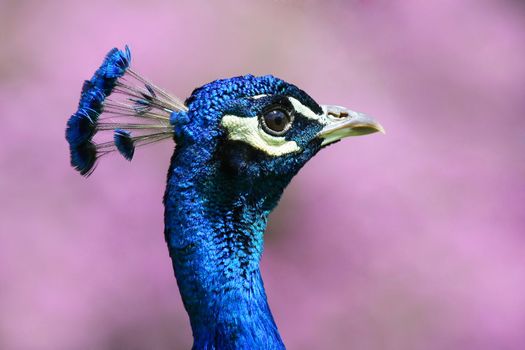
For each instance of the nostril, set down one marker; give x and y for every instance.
(339, 115)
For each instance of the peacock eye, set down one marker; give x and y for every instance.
(276, 122)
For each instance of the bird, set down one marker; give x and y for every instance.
(238, 143)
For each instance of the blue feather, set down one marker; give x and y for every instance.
(124, 143)
(83, 157)
(80, 127)
(114, 66)
(91, 97)
(152, 105)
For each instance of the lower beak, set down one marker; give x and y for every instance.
(342, 122)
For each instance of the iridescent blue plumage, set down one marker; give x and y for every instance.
(124, 143)
(217, 202)
(239, 142)
(81, 126)
(114, 66)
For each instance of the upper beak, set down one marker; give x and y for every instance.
(343, 122)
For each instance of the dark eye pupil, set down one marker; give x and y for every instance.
(276, 120)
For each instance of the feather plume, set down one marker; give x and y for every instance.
(117, 99)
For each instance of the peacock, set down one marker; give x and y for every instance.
(238, 143)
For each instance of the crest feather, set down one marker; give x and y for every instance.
(118, 99)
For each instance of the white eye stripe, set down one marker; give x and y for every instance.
(300, 108)
(247, 130)
(256, 97)
(297, 105)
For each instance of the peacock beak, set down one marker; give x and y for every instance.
(343, 122)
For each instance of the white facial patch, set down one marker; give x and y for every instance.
(248, 131)
(300, 108)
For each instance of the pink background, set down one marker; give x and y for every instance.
(410, 240)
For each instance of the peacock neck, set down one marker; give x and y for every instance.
(214, 226)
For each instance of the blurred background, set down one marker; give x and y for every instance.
(409, 240)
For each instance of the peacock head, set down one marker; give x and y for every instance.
(248, 126)
(263, 126)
